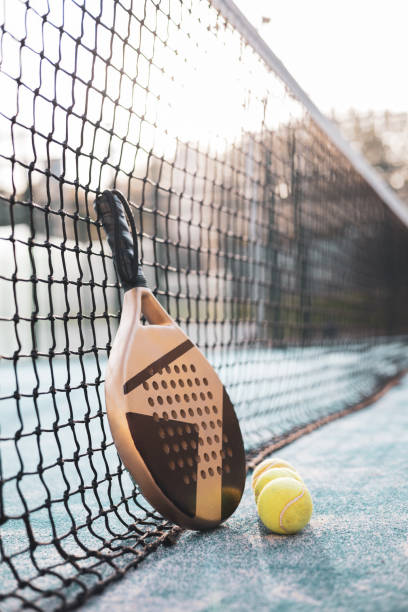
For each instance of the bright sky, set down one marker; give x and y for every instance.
(344, 53)
(348, 53)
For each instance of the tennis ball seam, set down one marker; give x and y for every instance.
(288, 505)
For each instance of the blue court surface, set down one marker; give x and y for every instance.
(352, 556)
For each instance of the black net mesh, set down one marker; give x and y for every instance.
(256, 233)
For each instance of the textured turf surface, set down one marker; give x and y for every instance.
(352, 556)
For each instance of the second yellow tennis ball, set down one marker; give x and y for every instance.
(272, 474)
(266, 464)
(285, 505)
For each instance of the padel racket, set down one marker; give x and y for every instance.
(171, 419)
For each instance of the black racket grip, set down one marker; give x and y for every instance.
(112, 208)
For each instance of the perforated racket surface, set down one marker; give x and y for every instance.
(171, 419)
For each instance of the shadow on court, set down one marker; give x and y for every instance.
(352, 556)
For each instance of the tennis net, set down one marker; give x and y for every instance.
(275, 247)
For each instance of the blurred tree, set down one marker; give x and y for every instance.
(383, 140)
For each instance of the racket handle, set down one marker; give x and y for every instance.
(115, 214)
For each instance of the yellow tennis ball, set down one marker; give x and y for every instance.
(285, 505)
(266, 464)
(272, 474)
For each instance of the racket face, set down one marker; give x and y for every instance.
(174, 425)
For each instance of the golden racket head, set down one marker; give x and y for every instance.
(172, 421)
